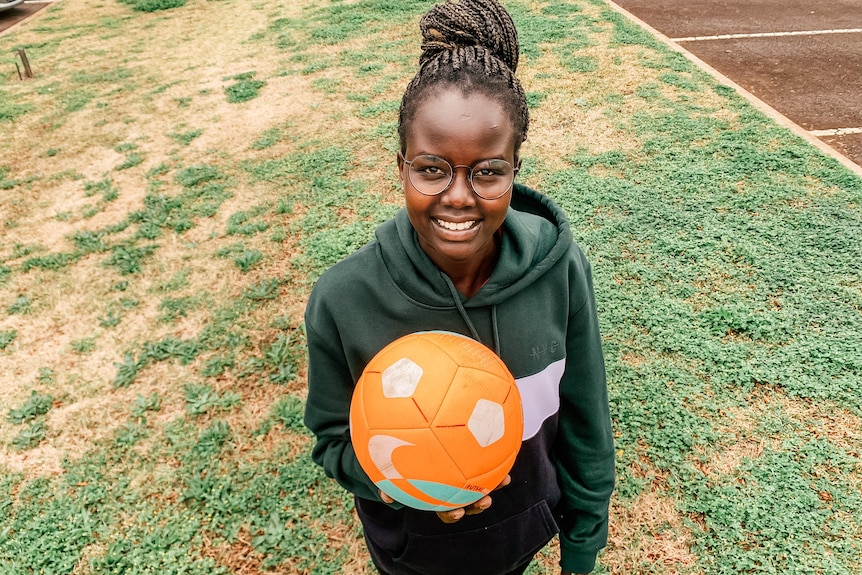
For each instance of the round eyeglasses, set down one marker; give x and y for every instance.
(432, 175)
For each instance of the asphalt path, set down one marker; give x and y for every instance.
(798, 60)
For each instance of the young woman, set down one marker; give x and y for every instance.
(475, 253)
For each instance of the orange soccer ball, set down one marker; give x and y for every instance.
(436, 420)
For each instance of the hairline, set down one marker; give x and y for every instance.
(425, 93)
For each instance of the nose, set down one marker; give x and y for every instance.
(460, 191)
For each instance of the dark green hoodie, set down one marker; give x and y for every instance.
(537, 311)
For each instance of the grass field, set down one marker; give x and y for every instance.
(173, 181)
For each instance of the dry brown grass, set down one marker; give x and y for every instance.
(648, 534)
(575, 118)
(836, 426)
(819, 421)
(173, 58)
(239, 556)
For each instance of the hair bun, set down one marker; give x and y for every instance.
(461, 23)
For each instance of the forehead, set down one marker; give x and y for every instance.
(452, 120)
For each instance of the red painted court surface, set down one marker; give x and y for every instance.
(803, 58)
(11, 16)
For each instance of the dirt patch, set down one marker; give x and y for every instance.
(72, 430)
(648, 535)
(820, 420)
(816, 421)
(239, 556)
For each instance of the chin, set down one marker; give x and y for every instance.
(460, 253)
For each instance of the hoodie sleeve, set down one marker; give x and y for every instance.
(327, 409)
(584, 445)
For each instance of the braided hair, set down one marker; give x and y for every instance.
(470, 45)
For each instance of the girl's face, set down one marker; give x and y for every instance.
(456, 228)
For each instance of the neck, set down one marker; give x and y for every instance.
(468, 277)
(469, 285)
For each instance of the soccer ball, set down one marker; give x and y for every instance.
(436, 420)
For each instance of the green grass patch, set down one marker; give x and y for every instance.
(6, 183)
(10, 108)
(264, 290)
(185, 138)
(30, 437)
(130, 161)
(75, 100)
(242, 223)
(128, 259)
(172, 309)
(337, 22)
(268, 139)
(201, 398)
(21, 305)
(144, 404)
(104, 187)
(87, 241)
(6, 338)
(107, 76)
(83, 346)
(560, 27)
(389, 107)
(580, 64)
(153, 5)
(246, 259)
(244, 88)
(53, 261)
(36, 405)
(204, 189)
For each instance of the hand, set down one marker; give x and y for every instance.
(455, 515)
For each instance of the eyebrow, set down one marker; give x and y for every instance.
(404, 156)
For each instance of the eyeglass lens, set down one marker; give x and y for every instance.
(490, 179)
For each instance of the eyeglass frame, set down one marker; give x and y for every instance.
(515, 170)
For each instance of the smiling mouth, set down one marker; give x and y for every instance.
(456, 226)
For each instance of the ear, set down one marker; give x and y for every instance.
(399, 159)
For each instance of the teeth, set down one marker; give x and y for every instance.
(456, 226)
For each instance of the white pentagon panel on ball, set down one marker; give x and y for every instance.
(487, 423)
(401, 378)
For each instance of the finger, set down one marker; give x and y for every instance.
(506, 481)
(478, 506)
(385, 498)
(452, 516)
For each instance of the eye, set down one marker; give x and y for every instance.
(430, 170)
(430, 167)
(492, 169)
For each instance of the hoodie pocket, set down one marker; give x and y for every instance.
(490, 550)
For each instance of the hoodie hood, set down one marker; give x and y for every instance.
(535, 235)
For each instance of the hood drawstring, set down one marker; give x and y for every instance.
(457, 298)
(496, 329)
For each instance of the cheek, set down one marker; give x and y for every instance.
(417, 204)
(498, 210)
